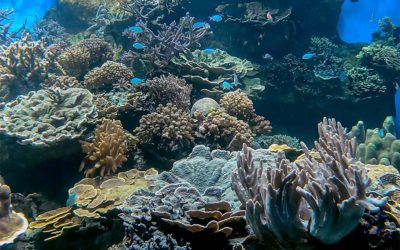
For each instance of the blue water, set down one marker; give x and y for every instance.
(29, 10)
(359, 20)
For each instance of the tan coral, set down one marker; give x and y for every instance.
(108, 74)
(104, 107)
(237, 104)
(62, 82)
(108, 150)
(75, 61)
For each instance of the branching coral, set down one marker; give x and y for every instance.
(7, 37)
(11, 224)
(170, 89)
(380, 57)
(162, 45)
(89, 53)
(47, 117)
(107, 151)
(221, 130)
(62, 82)
(365, 83)
(104, 77)
(167, 130)
(334, 190)
(23, 66)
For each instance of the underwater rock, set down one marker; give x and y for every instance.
(47, 117)
(207, 170)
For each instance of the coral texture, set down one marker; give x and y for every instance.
(365, 83)
(104, 77)
(237, 104)
(107, 151)
(47, 117)
(170, 89)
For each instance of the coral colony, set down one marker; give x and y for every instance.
(177, 125)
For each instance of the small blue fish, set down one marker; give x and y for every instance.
(72, 198)
(208, 51)
(381, 132)
(136, 29)
(137, 80)
(342, 76)
(226, 85)
(235, 80)
(216, 18)
(199, 25)
(138, 45)
(308, 56)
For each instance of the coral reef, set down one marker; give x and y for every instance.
(79, 59)
(179, 217)
(204, 106)
(22, 67)
(62, 82)
(334, 189)
(12, 224)
(6, 20)
(264, 141)
(170, 89)
(221, 130)
(107, 151)
(209, 170)
(381, 57)
(168, 131)
(104, 77)
(365, 83)
(48, 117)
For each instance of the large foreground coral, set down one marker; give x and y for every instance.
(285, 203)
(47, 117)
(107, 151)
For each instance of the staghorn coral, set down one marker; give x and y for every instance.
(221, 130)
(104, 77)
(170, 89)
(12, 224)
(334, 190)
(96, 198)
(208, 71)
(162, 45)
(365, 83)
(107, 151)
(166, 131)
(6, 20)
(23, 65)
(79, 59)
(47, 117)
(62, 82)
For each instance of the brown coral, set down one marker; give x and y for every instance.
(104, 107)
(166, 130)
(170, 89)
(62, 82)
(222, 130)
(107, 151)
(108, 74)
(237, 104)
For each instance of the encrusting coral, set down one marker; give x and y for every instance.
(170, 89)
(104, 77)
(107, 151)
(334, 190)
(167, 130)
(48, 117)
(12, 224)
(94, 199)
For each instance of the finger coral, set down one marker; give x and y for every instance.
(333, 188)
(103, 78)
(170, 89)
(107, 151)
(221, 130)
(237, 104)
(167, 130)
(12, 224)
(47, 117)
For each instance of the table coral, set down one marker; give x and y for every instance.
(47, 117)
(170, 89)
(104, 77)
(167, 130)
(107, 151)
(12, 224)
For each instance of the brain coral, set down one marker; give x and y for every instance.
(108, 74)
(107, 151)
(46, 117)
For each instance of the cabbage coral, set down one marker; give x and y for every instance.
(107, 151)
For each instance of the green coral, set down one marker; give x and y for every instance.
(380, 145)
(365, 83)
(380, 56)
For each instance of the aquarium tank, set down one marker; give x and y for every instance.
(199, 124)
